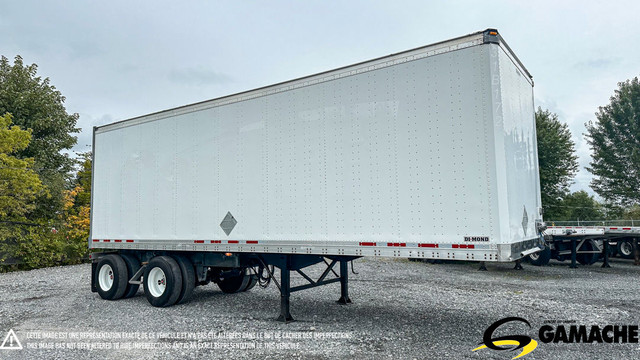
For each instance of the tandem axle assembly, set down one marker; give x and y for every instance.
(169, 278)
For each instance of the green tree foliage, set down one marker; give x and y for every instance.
(36, 104)
(76, 213)
(557, 161)
(21, 240)
(615, 143)
(580, 206)
(19, 184)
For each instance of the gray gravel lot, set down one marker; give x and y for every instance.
(400, 309)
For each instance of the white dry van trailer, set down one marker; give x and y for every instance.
(429, 153)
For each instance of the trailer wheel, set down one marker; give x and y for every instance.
(625, 248)
(234, 284)
(111, 277)
(133, 265)
(541, 258)
(588, 258)
(253, 280)
(162, 281)
(188, 278)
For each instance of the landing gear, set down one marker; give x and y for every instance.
(287, 263)
(344, 284)
(518, 265)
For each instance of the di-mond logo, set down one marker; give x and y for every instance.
(567, 332)
(509, 342)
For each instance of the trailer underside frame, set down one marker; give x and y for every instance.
(203, 263)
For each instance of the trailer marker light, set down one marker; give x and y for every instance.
(232, 241)
(228, 254)
(216, 241)
(106, 240)
(96, 240)
(252, 241)
(117, 240)
(198, 241)
(129, 241)
(494, 33)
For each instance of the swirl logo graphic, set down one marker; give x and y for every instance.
(509, 342)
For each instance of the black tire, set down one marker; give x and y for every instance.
(540, 258)
(169, 281)
(625, 248)
(234, 284)
(587, 259)
(253, 280)
(188, 278)
(133, 265)
(115, 269)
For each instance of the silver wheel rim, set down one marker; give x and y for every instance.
(105, 277)
(534, 256)
(156, 282)
(626, 248)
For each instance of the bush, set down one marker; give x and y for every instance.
(24, 247)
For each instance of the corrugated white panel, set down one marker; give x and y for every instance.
(402, 153)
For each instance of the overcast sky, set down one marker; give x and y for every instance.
(119, 59)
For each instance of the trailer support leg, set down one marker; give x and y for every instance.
(518, 265)
(285, 292)
(482, 266)
(605, 252)
(636, 252)
(344, 283)
(574, 252)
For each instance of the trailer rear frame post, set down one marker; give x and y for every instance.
(574, 253)
(605, 252)
(636, 252)
(344, 283)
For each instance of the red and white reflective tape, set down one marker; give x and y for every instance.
(109, 240)
(429, 245)
(421, 245)
(228, 241)
(463, 246)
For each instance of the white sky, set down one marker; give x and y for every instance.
(119, 59)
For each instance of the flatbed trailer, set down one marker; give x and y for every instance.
(586, 244)
(429, 153)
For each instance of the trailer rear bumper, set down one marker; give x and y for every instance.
(519, 250)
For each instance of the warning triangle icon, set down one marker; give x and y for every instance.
(11, 342)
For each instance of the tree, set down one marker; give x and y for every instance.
(615, 144)
(556, 159)
(35, 104)
(77, 207)
(581, 206)
(19, 184)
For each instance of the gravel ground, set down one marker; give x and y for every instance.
(400, 309)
